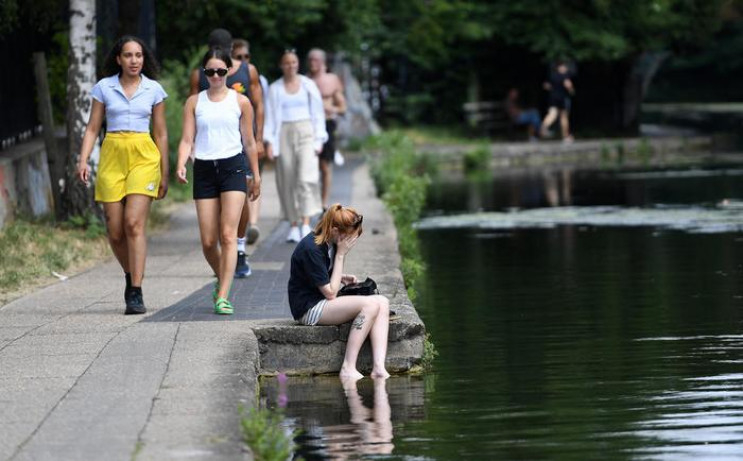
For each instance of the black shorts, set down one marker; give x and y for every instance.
(328, 149)
(212, 177)
(560, 102)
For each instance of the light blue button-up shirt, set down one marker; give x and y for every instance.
(122, 113)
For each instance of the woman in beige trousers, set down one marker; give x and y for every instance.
(294, 133)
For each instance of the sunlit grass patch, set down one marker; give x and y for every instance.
(33, 251)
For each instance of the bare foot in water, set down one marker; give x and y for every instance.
(351, 374)
(381, 373)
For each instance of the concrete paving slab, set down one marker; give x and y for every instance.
(12, 435)
(13, 333)
(44, 366)
(193, 437)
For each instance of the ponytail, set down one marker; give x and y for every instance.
(343, 218)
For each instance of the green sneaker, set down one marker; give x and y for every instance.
(223, 307)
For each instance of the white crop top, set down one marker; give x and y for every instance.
(217, 127)
(295, 107)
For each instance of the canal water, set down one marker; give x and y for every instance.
(578, 315)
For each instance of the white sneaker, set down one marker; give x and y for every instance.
(338, 158)
(293, 235)
(305, 230)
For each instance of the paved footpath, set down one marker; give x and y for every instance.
(81, 381)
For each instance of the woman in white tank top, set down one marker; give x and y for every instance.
(218, 128)
(294, 133)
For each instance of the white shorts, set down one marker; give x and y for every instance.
(312, 316)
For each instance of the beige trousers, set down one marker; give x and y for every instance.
(297, 171)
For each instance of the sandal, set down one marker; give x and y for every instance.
(215, 290)
(223, 307)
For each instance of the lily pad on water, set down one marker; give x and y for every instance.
(690, 219)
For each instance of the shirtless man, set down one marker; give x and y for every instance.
(331, 89)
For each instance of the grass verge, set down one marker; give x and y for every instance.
(37, 253)
(34, 251)
(402, 176)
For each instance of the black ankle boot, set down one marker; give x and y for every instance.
(134, 301)
(128, 279)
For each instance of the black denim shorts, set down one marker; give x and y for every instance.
(212, 177)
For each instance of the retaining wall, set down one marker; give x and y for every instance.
(25, 185)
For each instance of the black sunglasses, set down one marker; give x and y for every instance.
(357, 222)
(210, 72)
(242, 56)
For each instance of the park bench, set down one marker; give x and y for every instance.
(488, 117)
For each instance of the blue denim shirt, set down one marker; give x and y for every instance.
(123, 114)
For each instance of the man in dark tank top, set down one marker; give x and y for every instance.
(247, 231)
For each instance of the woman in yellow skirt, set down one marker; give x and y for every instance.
(133, 170)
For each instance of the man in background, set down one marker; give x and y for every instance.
(334, 103)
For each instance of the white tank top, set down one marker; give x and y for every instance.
(295, 107)
(217, 127)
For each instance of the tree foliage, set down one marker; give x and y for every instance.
(270, 26)
(605, 29)
(37, 17)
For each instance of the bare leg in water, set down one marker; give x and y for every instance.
(370, 315)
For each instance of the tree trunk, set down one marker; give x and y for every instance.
(81, 77)
(636, 86)
(609, 95)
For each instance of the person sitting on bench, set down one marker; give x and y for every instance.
(521, 116)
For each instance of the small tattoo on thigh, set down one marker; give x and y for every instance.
(358, 322)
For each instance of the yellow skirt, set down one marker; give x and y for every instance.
(130, 164)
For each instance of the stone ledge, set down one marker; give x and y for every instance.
(285, 346)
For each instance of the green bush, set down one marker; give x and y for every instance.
(477, 160)
(402, 177)
(89, 222)
(429, 353)
(645, 151)
(393, 157)
(174, 78)
(264, 433)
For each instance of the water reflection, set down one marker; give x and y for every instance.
(557, 187)
(561, 187)
(346, 420)
(701, 417)
(545, 360)
(370, 431)
(542, 188)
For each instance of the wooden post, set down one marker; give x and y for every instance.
(54, 159)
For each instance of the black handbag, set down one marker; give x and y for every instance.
(365, 288)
